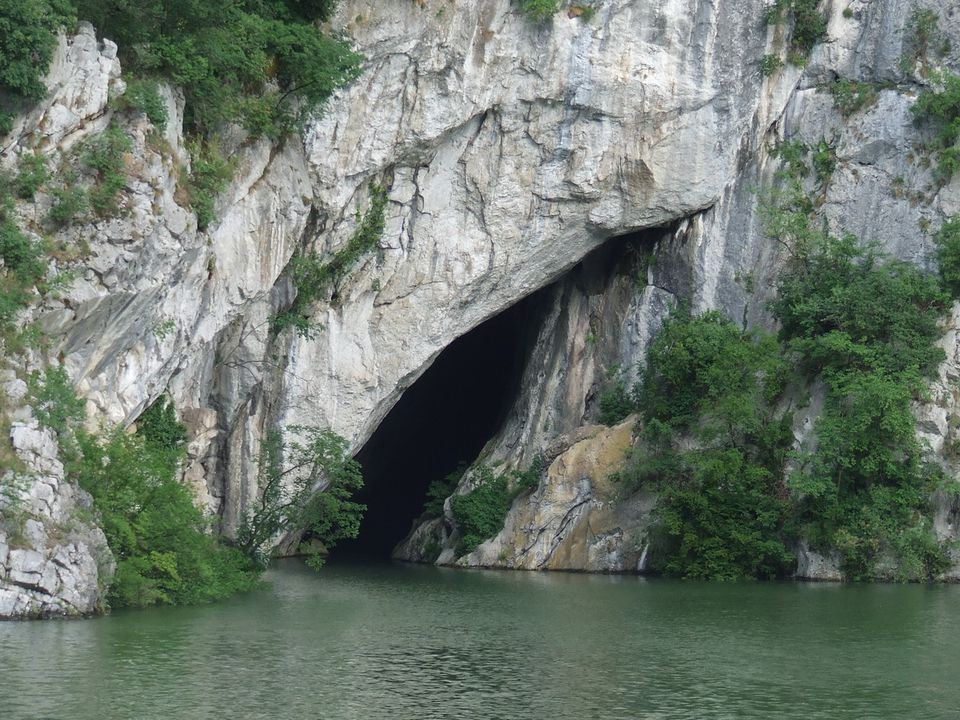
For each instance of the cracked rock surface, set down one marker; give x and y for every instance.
(509, 151)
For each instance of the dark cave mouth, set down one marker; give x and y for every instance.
(442, 420)
(460, 402)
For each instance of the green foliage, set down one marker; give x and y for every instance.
(225, 54)
(156, 533)
(617, 401)
(842, 304)
(164, 434)
(721, 510)
(209, 175)
(851, 96)
(53, 399)
(28, 37)
(948, 255)
(480, 513)
(697, 363)
(722, 518)
(306, 480)
(21, 254)
(24, 260)
(922, 37)
(314, 278)
(69, 202)
(794, 156)
(103, 155)
(143, 96)
(31, 174)
(809, 24)
(539, 10)
(769, 64)
(939, 107)
(529, 479)
(867, 325)
(824, 161)
(439, 490)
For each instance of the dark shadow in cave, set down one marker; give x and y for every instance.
(443, 419)
(449, 414)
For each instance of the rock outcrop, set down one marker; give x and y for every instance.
(510, 151)
(54, 561)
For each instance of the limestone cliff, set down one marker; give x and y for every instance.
(510, 151)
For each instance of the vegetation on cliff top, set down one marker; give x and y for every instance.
(262, 63)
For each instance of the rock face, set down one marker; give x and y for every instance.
(720, 258)
(53, 560)
(510, 151)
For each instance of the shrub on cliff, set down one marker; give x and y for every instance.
(539, 10)
(257, 63)
(721, 511)
(305, 480)
(809, 25)
(867, 326)
(158, 536)
(939, 108)
(28, 37)
(948, 255)
(480, 513)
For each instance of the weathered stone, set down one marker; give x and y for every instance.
(510, 151)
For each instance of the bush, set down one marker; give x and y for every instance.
(824, 161)
(224, 53)
(53, 399)
(314, 278)
(939, 107)
(851, 96)
(143, 96)
(868, 326)
(209, 175)
(31, 174)
(69, 202)
(616, 401)
(21, 254)
(28, 37)
(700, 362)
(769, 64)
(480, 513)
(439, 490)
(156, 533)
(721, 511)
(948, 255)
(539, 10)
(809, 24)
(305, 480)
(104, 156)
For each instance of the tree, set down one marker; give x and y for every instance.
(306, 480)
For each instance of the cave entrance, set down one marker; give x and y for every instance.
(443, 419)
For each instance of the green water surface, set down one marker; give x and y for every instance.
(400, 641)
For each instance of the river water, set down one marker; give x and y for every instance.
(399, 641)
